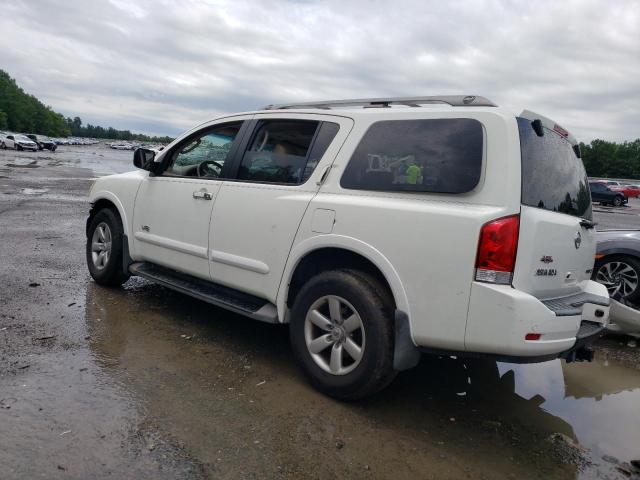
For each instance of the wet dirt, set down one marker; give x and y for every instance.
(143, 382)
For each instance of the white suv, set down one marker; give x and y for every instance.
(377, 228)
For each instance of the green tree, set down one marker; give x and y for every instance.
(21, 112)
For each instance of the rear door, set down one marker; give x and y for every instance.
(557, 240)
(259, 208)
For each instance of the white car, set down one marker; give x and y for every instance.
(18, 142)
(378, 229)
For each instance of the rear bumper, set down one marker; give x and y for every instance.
(500, 317)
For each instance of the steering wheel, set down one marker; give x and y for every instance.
(208, 169)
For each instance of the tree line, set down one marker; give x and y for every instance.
(21, 112)
(92, 131)
(611, 159)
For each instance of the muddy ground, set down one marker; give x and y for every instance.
(142, 382)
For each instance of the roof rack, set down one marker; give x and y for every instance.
(453, 100)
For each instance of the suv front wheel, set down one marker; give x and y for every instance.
(342, 333)
(104, 248)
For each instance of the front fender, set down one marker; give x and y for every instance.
(111, 197)
(121, 190)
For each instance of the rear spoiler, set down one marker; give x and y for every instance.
(550, 124)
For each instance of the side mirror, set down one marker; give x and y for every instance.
(143, 158)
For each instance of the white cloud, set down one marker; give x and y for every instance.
(162, 67)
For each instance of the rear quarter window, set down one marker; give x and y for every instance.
(434, 155)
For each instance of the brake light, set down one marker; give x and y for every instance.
(497, 249)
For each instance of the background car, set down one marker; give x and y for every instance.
(610, 183)
(18, 142)
(605, 196)
(617, 264)
(42, 141)
(630, 191)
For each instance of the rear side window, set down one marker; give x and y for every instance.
(439, 155)
(553, 177)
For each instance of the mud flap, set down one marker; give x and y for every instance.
(405, 354)
(126, 258)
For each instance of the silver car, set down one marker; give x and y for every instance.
(617, 264)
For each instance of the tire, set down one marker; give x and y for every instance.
(619, 273)
(617, 201)
(106, 268)
(357, 293)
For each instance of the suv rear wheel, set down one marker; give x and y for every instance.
(104, 248)
(617, 201)
(342, 334)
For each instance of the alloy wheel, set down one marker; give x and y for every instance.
(618, 277)
(101, 246)
(334, 335)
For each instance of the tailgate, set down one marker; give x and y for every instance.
(557, 241)
(555, 254)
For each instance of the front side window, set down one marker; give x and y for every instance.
(279, 152)
(436, 155)
(205, 154)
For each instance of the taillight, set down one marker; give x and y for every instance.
(497, 249)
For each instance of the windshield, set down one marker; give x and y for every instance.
(553, 177)
(23, 137)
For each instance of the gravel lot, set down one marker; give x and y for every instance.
(142, 382)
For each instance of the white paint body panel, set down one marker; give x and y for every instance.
(178, 223)
(251, 236)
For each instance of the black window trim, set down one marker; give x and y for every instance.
(237, 141)
(420, 192)
(255, 125)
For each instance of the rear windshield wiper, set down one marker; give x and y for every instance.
(588, 224)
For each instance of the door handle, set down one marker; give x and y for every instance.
(202, 195)
(324, 175)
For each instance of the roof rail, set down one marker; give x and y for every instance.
(453, 100)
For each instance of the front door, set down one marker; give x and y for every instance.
(259, 209)
(173, 209)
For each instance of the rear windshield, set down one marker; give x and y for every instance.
(553, 177)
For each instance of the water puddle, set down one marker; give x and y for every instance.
(599, 400)
(475, 408)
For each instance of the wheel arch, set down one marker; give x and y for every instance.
(107, 200)
(604, 254)
(326, 252)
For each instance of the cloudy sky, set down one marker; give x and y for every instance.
(163, 66)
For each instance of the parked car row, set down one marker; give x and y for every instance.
(34, 142)
(121, 145)
(76, 141)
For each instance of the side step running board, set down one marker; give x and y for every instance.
(219, 295)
